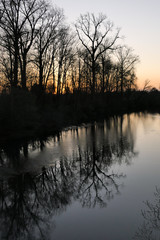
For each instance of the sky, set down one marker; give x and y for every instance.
(139, 21)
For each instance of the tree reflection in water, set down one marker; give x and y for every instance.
(150, 229)
(30, 200)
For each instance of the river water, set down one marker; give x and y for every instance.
(98, 181)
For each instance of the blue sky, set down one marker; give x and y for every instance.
(139, 21)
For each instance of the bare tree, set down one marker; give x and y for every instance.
(6, 63)
(150, 229)
(106, 67)
(45, 43)
(94, 34)
(11, 25)
(65, 57)
(84, 66)
(147, 86)
(33, 11)
(17, 23)
(126, 67)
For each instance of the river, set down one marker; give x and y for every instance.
(98, 181)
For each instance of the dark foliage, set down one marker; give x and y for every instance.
(26, 114)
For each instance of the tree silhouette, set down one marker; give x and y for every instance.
(94, 35)
(126, 68)
(150, 229)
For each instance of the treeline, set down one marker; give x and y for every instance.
(40, 51)
(24, 114)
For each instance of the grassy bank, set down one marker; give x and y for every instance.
(28, 115)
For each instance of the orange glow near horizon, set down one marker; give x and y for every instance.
(148, 72)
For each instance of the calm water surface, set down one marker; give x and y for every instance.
(99, 181)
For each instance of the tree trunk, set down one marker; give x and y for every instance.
(93, 78)
(40, 71)
(79, 77)
(53, 75)
(121, 82)
(16, 55)
(23, 72)
(59, 79)
(103, 75)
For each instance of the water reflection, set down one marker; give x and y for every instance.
(150, 229)
(87, 172)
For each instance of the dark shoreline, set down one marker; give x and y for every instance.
(25, 115)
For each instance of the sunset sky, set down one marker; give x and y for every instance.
(139, 21)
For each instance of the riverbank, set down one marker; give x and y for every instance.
(26, 115)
